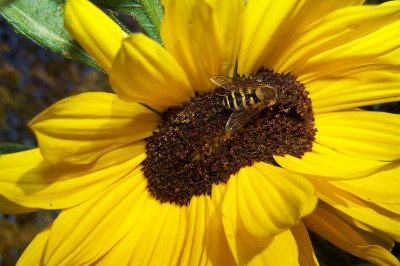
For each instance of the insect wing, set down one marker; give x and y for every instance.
(231, 83)
(221, 80)
(239, 118)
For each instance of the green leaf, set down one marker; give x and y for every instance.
(4, 2)
(42, 22)
(149, 13)
(8, 147)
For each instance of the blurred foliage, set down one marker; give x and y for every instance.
(8, 147)
(17, 231)
(31, 79)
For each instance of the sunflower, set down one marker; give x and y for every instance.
(151, 175)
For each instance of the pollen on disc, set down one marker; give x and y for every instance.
(190, 151)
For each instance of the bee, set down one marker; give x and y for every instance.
(246, 98)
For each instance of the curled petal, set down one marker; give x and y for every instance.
(366, 212)
(145, 72)
(349, 236)
(262, 201)
(306, 252)
(79, 129)
(95, 31)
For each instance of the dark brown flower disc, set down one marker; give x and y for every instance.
(191, 150)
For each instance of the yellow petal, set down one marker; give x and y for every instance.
(348, 58)
(33, 254)
(10, 207)
(271, 26)
(197, 34)
(244, 246)
(342, 40)
(161, 240)
(145, 72)
(381, 187)
(206, 242)
(282, 250)
(393, 207)
(82, 234)
(155, 234)
(256, 34)
(348, 236)
(366, 212)
(32, 182)
(197, 228)
(378, 84)
(229, 16)
(262, 201)
(304, 245)
(362, 134)
(81, 128)
(95, 31)
(124, 223)
(326, 163)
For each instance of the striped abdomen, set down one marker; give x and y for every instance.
(241, 99)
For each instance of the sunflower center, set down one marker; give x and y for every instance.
(192, 150)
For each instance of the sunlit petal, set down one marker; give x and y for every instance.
(349, 35)
(378, 84)
(32, 182)
(201, 39)
(381, 187)
(260, 202)
(95, 31)
(83, 234)
(10, 207)
(33, 254)
(361, 134)
(145, 72)
(281, 251)
(326, 163)
(270, 27)
(304, 245)
(366, 212)
(345, 234)
(344, 57)
(81, 128)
